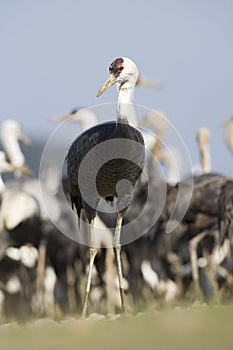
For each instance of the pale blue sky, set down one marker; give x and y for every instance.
(55, 54)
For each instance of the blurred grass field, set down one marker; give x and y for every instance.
(200, 327)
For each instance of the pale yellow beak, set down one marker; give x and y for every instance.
(24, 139)
(142, 81)
(226, 122)
(23, 169)
(109, 82)
(60, 118)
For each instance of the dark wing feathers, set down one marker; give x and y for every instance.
(87, 141)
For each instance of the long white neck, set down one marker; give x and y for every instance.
(205, 157)
(125, 108)
(11, 145)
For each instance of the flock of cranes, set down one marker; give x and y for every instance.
(43, 272)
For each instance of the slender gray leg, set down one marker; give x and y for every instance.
(92, 251)
(40, 275)
(117, 250)
(194, 261)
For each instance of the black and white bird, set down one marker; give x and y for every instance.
(105, 162)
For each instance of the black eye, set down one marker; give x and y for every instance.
(110, 69)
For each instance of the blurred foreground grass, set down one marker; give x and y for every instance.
(201, 327)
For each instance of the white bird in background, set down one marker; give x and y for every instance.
(11, 134)
(16, 206)
(22, 206)
(84, 116)
(5, 167)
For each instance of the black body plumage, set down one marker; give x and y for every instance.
(101, 157)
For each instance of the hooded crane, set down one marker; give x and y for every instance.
(105, 162)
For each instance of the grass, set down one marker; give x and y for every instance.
(209, 327)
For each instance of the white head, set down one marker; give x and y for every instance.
(12, 127)
(85, 117)
(81, 113)
(122, 71)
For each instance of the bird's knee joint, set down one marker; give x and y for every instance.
(93, 252)
(117, 248)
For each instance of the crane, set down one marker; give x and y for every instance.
(118, 150)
